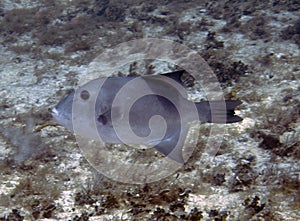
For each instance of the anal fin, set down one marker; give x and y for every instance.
(173, 145)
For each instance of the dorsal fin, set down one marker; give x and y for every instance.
(182, 77)
(175, 75)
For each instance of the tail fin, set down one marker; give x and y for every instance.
(218, 111)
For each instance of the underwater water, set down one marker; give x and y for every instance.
(252, 51)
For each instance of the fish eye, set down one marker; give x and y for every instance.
(84, 95)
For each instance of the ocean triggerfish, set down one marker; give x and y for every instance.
(138, 101)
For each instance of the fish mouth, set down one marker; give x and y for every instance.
(57, 116)
(54, 112)
(61, 119)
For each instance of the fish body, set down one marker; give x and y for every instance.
(155, 108)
